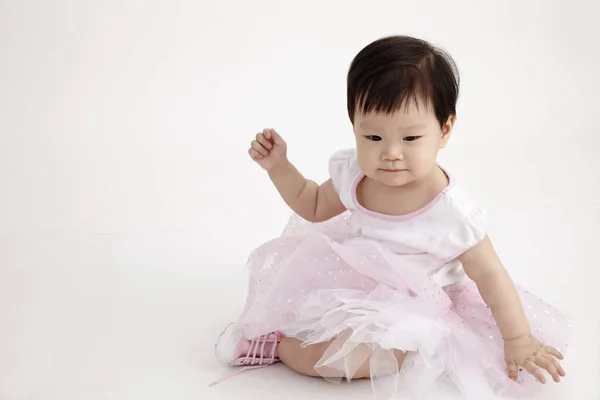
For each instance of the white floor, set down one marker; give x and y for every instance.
(135, 316)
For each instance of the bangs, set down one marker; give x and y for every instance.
(389, 92)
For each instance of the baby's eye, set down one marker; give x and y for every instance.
(374, 138)
(411, 138)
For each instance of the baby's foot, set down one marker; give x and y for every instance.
(234, 349)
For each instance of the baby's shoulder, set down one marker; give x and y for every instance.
(343, 167)
(457, 200)
(342, 157)
(461, 221)
(457, 222)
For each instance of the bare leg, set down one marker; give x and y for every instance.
(303, 359)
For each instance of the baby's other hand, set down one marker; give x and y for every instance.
(529, 353)
(269, 150)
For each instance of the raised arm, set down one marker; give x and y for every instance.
(308, 199)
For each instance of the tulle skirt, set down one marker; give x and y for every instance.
(316, 284)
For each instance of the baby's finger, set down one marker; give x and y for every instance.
(260, 138)
(255, 154)
(552, 351)
(556, 364)
(548, 366)
(513, 370)
(535, 371)
(259, 148)
(275, 136)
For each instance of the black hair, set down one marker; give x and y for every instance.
(388, 72)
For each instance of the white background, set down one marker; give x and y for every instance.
(128, 202)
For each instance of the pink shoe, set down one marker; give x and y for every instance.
(234, 350)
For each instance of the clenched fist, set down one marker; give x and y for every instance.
(269, 150)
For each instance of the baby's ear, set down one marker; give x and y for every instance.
(449, 125)
(447, 130)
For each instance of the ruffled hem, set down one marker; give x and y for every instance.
(363, 326)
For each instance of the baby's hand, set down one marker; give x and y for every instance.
(269, 150)
(529, 353)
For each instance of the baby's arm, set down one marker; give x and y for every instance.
(481, 263)
(313, 202)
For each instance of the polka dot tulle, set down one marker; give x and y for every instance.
(319, 282)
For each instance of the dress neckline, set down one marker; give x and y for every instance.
(400, 217)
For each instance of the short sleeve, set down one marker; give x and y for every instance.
(468, 231)
(338, 167)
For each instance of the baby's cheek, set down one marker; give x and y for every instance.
(367, 161)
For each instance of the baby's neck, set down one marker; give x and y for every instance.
(405, 199)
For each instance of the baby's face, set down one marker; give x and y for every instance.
(400, 148)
